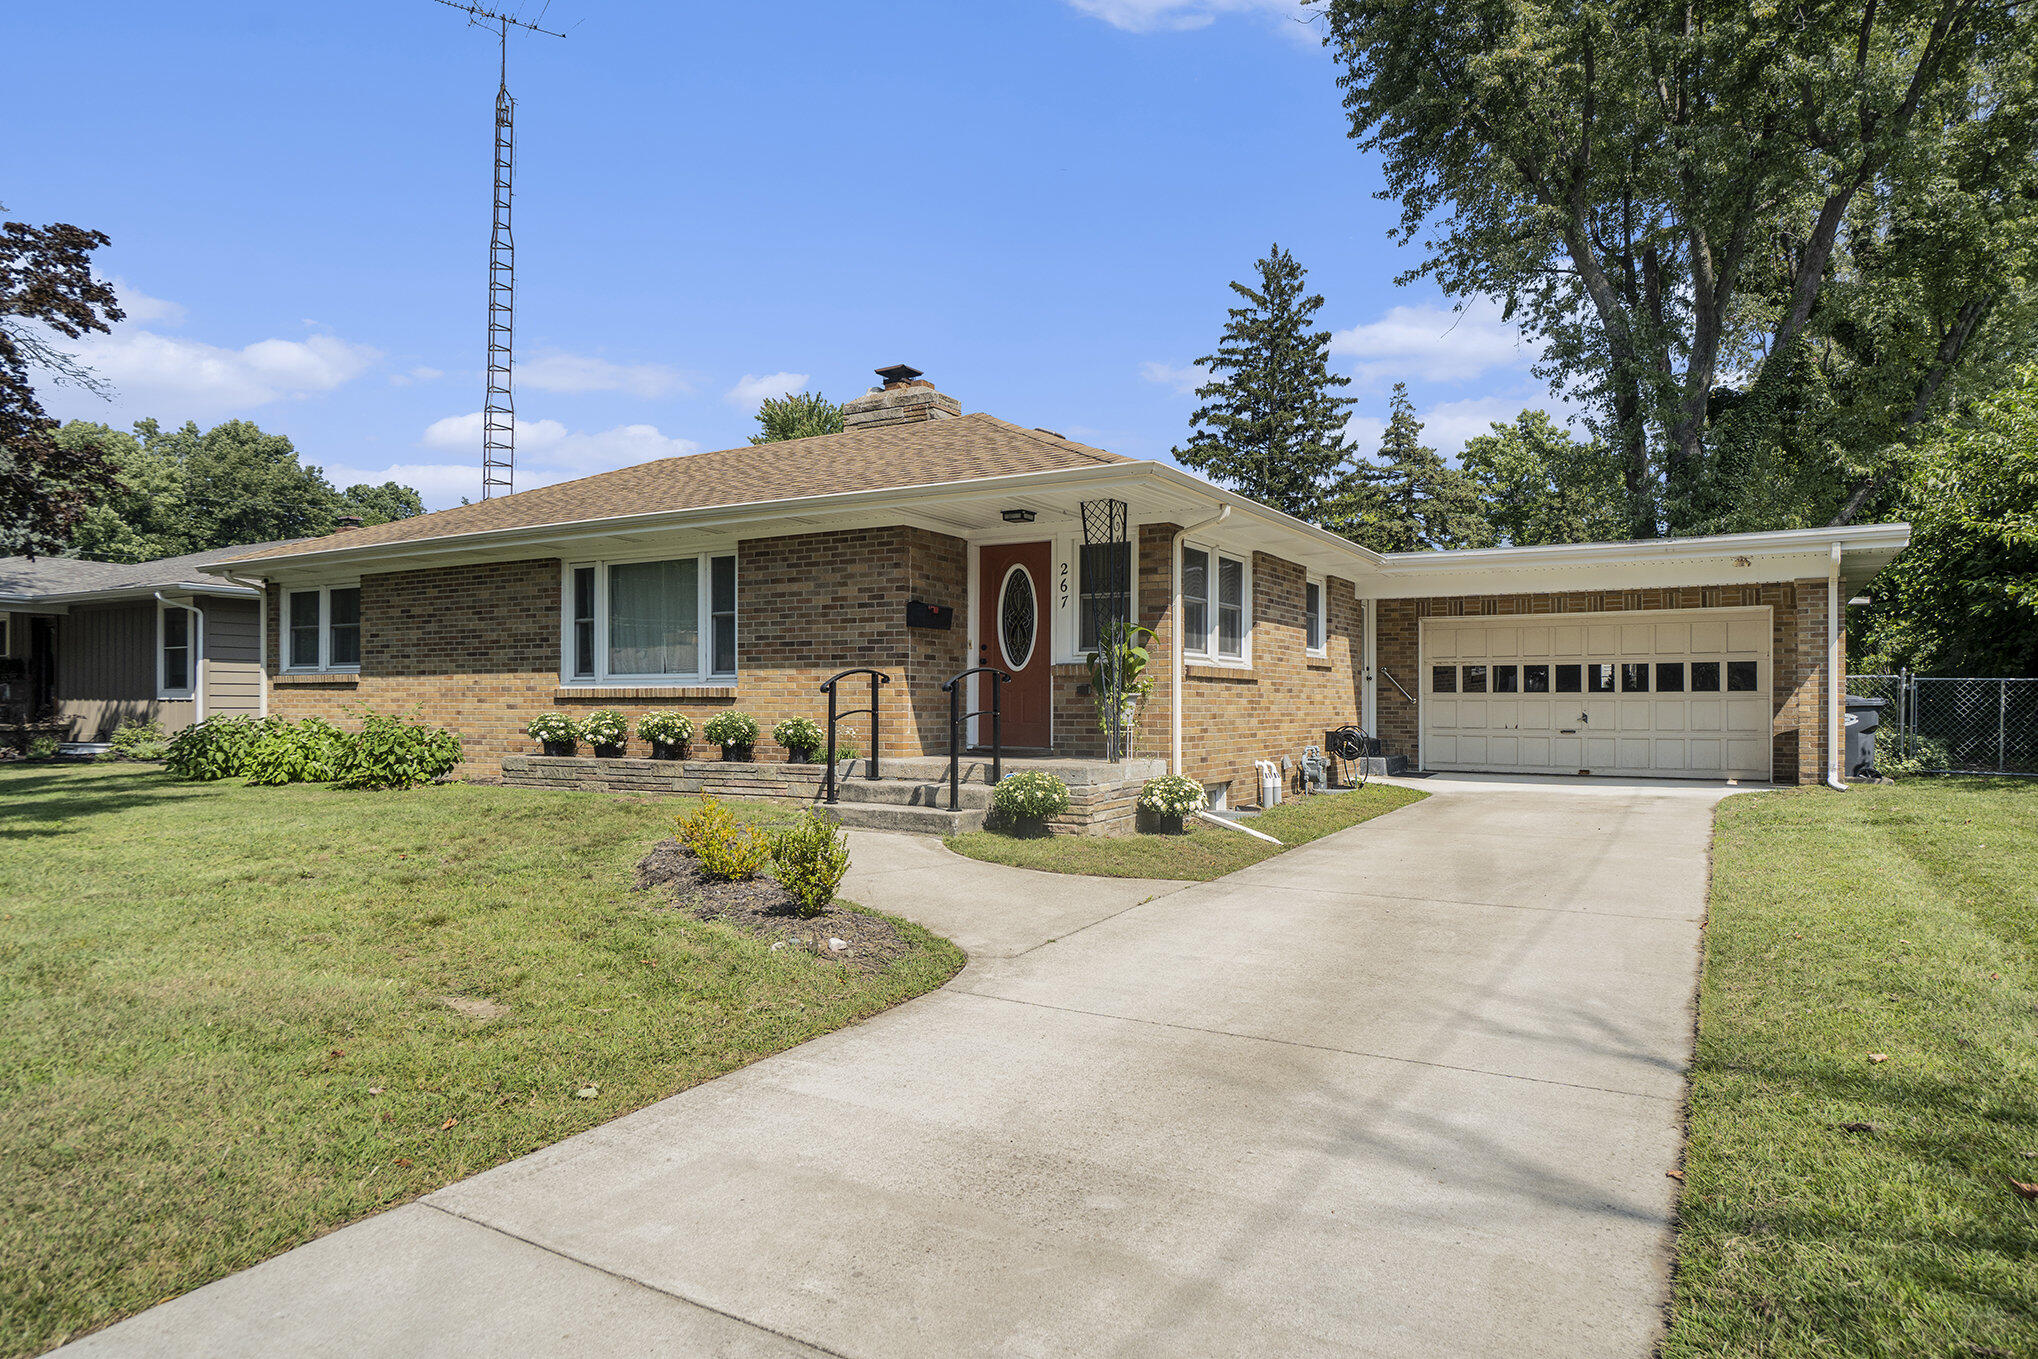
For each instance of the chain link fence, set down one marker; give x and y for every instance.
(1936, 724)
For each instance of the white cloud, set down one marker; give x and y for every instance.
(575, 373)
(753, 389)
(189, 379)
(1184, 379)
(1433, 343)
(141, 309)
(1447, 425)
(440, 484)
(1157, 16)
(547, 446)
(416, 375)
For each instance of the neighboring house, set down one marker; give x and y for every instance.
(746, 577)
(86, 646)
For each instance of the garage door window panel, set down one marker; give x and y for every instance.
(1475, 679)
(1670, 677)
(1443, 679)
(1506, 679)
(1570, 679)
(1741, 676)
(1705, 677)
(1634, 677)
(1601, 676)
(1535, 679)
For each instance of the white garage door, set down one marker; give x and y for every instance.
(1675, 695)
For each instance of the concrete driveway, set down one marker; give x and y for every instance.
(1411, 1090)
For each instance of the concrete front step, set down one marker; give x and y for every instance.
(901, 817)
(911, 793)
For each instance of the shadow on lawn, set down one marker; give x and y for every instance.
(51, 800)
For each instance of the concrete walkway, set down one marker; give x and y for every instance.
(1411, 1090)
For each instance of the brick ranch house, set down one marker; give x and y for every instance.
(744, 578)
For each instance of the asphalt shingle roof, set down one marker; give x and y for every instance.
(921, 453)
(21, 576)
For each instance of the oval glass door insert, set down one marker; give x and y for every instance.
(1018, 618)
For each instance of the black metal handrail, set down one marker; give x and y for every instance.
(956, 717)
(877, 677)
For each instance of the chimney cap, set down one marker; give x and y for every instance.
(898, 373)
(345, 522)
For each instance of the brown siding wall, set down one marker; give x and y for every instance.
(233, 658)
(1797, 670)
(106, 672)
(476, 648)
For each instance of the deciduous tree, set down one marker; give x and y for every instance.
(796, 415)
(1536, 484)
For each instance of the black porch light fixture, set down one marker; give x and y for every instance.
(1019, 516)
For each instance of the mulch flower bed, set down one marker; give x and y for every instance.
(763, 908)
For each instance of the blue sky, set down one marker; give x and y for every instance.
(1039, 202)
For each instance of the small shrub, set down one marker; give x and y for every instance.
(1172, 795)
(809, 858)
(553, 726)
(294, 752)
(44, 747)
(726, 847)
(667, 728)
(605, 727)
(1033, 795)
(800, 735)
(393, 752)
(216, 748)
(731, 728)
(138, 741)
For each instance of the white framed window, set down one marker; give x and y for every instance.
(176, 651)
(1217, 593)
(666, 620)
(1314, 634)
(322, 628)
(6, 634)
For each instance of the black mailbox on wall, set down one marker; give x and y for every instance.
(921, 614)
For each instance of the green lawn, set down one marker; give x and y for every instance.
(227, 1017)
(1205, 852)
(1900, 922)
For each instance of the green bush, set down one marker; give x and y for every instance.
(1033, 795)
(726, 848)
(44, 747)
(138, 741)
(294, 752)
(800, 735)
(809, 858)
(216, 748)
(393, 752)
(731, 728)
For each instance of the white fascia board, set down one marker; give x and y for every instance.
(1724, 559)
(72, 598)
(1318, 546)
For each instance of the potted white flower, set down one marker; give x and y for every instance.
(802, 738)
(1170, 798)
(734, 732)
(555, 732)
(668, 733)
(608, 731)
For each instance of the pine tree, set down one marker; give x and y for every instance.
(1271, 426)
(1411, 499)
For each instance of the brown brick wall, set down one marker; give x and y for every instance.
(476, 648)
(1797, 670)
(1286, 700)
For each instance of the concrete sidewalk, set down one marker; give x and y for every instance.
(1410, 1090)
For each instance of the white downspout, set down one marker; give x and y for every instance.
(1836, 678)
(197, 657)
(1175, 666)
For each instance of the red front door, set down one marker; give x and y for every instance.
(1013, 634)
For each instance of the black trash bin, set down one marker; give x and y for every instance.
(1864, 715)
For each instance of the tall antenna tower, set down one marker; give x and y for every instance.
(499, 410)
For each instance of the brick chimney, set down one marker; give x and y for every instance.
(906, 397)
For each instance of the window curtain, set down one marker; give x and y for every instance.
(654, 618)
